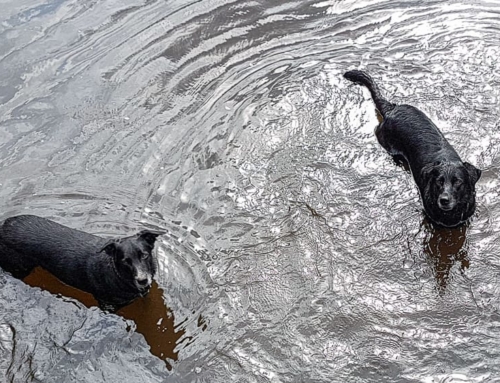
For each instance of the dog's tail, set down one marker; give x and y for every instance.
(363, 78)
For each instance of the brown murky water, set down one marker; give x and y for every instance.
(150, 315)
(297, 250)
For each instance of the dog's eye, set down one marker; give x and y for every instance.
(440, 181)
(128, 261)
(457, 182)
(144, 255)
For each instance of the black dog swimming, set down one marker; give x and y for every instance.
(446, 184)
(115, 271)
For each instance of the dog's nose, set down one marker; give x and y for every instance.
(143, 281)
(444, 200)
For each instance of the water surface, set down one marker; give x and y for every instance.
(297, 250)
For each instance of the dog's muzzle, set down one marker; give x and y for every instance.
(143, 282)
(446, 202)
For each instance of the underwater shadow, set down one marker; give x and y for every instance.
(153, 319)
(444, 247)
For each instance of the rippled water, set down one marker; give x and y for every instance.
(297, 250)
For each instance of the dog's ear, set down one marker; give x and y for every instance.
(474, 173)
(109, 248)
(149, 236)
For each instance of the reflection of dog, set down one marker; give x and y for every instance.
(115, 271)
(444, 247)
(446, 184)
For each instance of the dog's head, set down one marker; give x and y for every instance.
(448, 192)
(133, 259)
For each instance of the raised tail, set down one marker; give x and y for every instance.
(363, 78)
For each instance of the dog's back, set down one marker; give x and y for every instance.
(40, 238)
(29, 241)
(408, 131)
(38, 235)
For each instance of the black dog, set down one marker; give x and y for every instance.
(114, 271)
(446, 184)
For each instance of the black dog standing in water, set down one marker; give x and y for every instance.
(115, 271)
(446, 184)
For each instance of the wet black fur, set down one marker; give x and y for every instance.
(445, 182)
(114, 271)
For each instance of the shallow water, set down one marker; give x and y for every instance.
(297, 250)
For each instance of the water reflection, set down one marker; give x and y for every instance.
(444, 247)
(153, 319)
(219, 114)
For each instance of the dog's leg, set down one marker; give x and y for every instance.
(108, 307)
(380, 133)
(400, 160)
